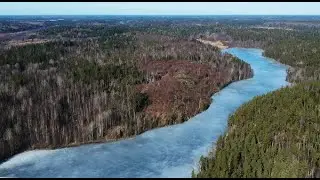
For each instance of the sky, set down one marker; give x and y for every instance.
(159, 8)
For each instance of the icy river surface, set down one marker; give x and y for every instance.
(171, 151)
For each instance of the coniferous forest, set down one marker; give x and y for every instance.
(277, 134)
(94, 79)
(274, 135)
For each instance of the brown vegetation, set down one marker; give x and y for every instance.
(66, 93)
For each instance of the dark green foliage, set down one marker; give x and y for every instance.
(35, 53)
(141, 101)
(274, 135)
(89, 72)
(19, 79)
(296, 48)
(64, 111)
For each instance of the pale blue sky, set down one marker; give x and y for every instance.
(159, 8)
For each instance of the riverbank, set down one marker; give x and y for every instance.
(219, 44)
(283, 145)
(209, 165)
(189, 86)
(171, 151)
(152, 111)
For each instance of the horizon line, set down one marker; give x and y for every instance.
(159, 14)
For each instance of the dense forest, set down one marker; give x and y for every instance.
(90, 79)
(296, 48)
(94, 83)
(274, 135)
(293, 45)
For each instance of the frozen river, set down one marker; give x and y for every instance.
(171, 151)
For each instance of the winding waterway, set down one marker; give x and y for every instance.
(171, 151)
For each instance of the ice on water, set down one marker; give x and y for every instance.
(164, 152)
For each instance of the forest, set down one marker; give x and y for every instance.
(93, 83)
(276, 135)
(298, 48)
(82, 80)
(295, 44)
